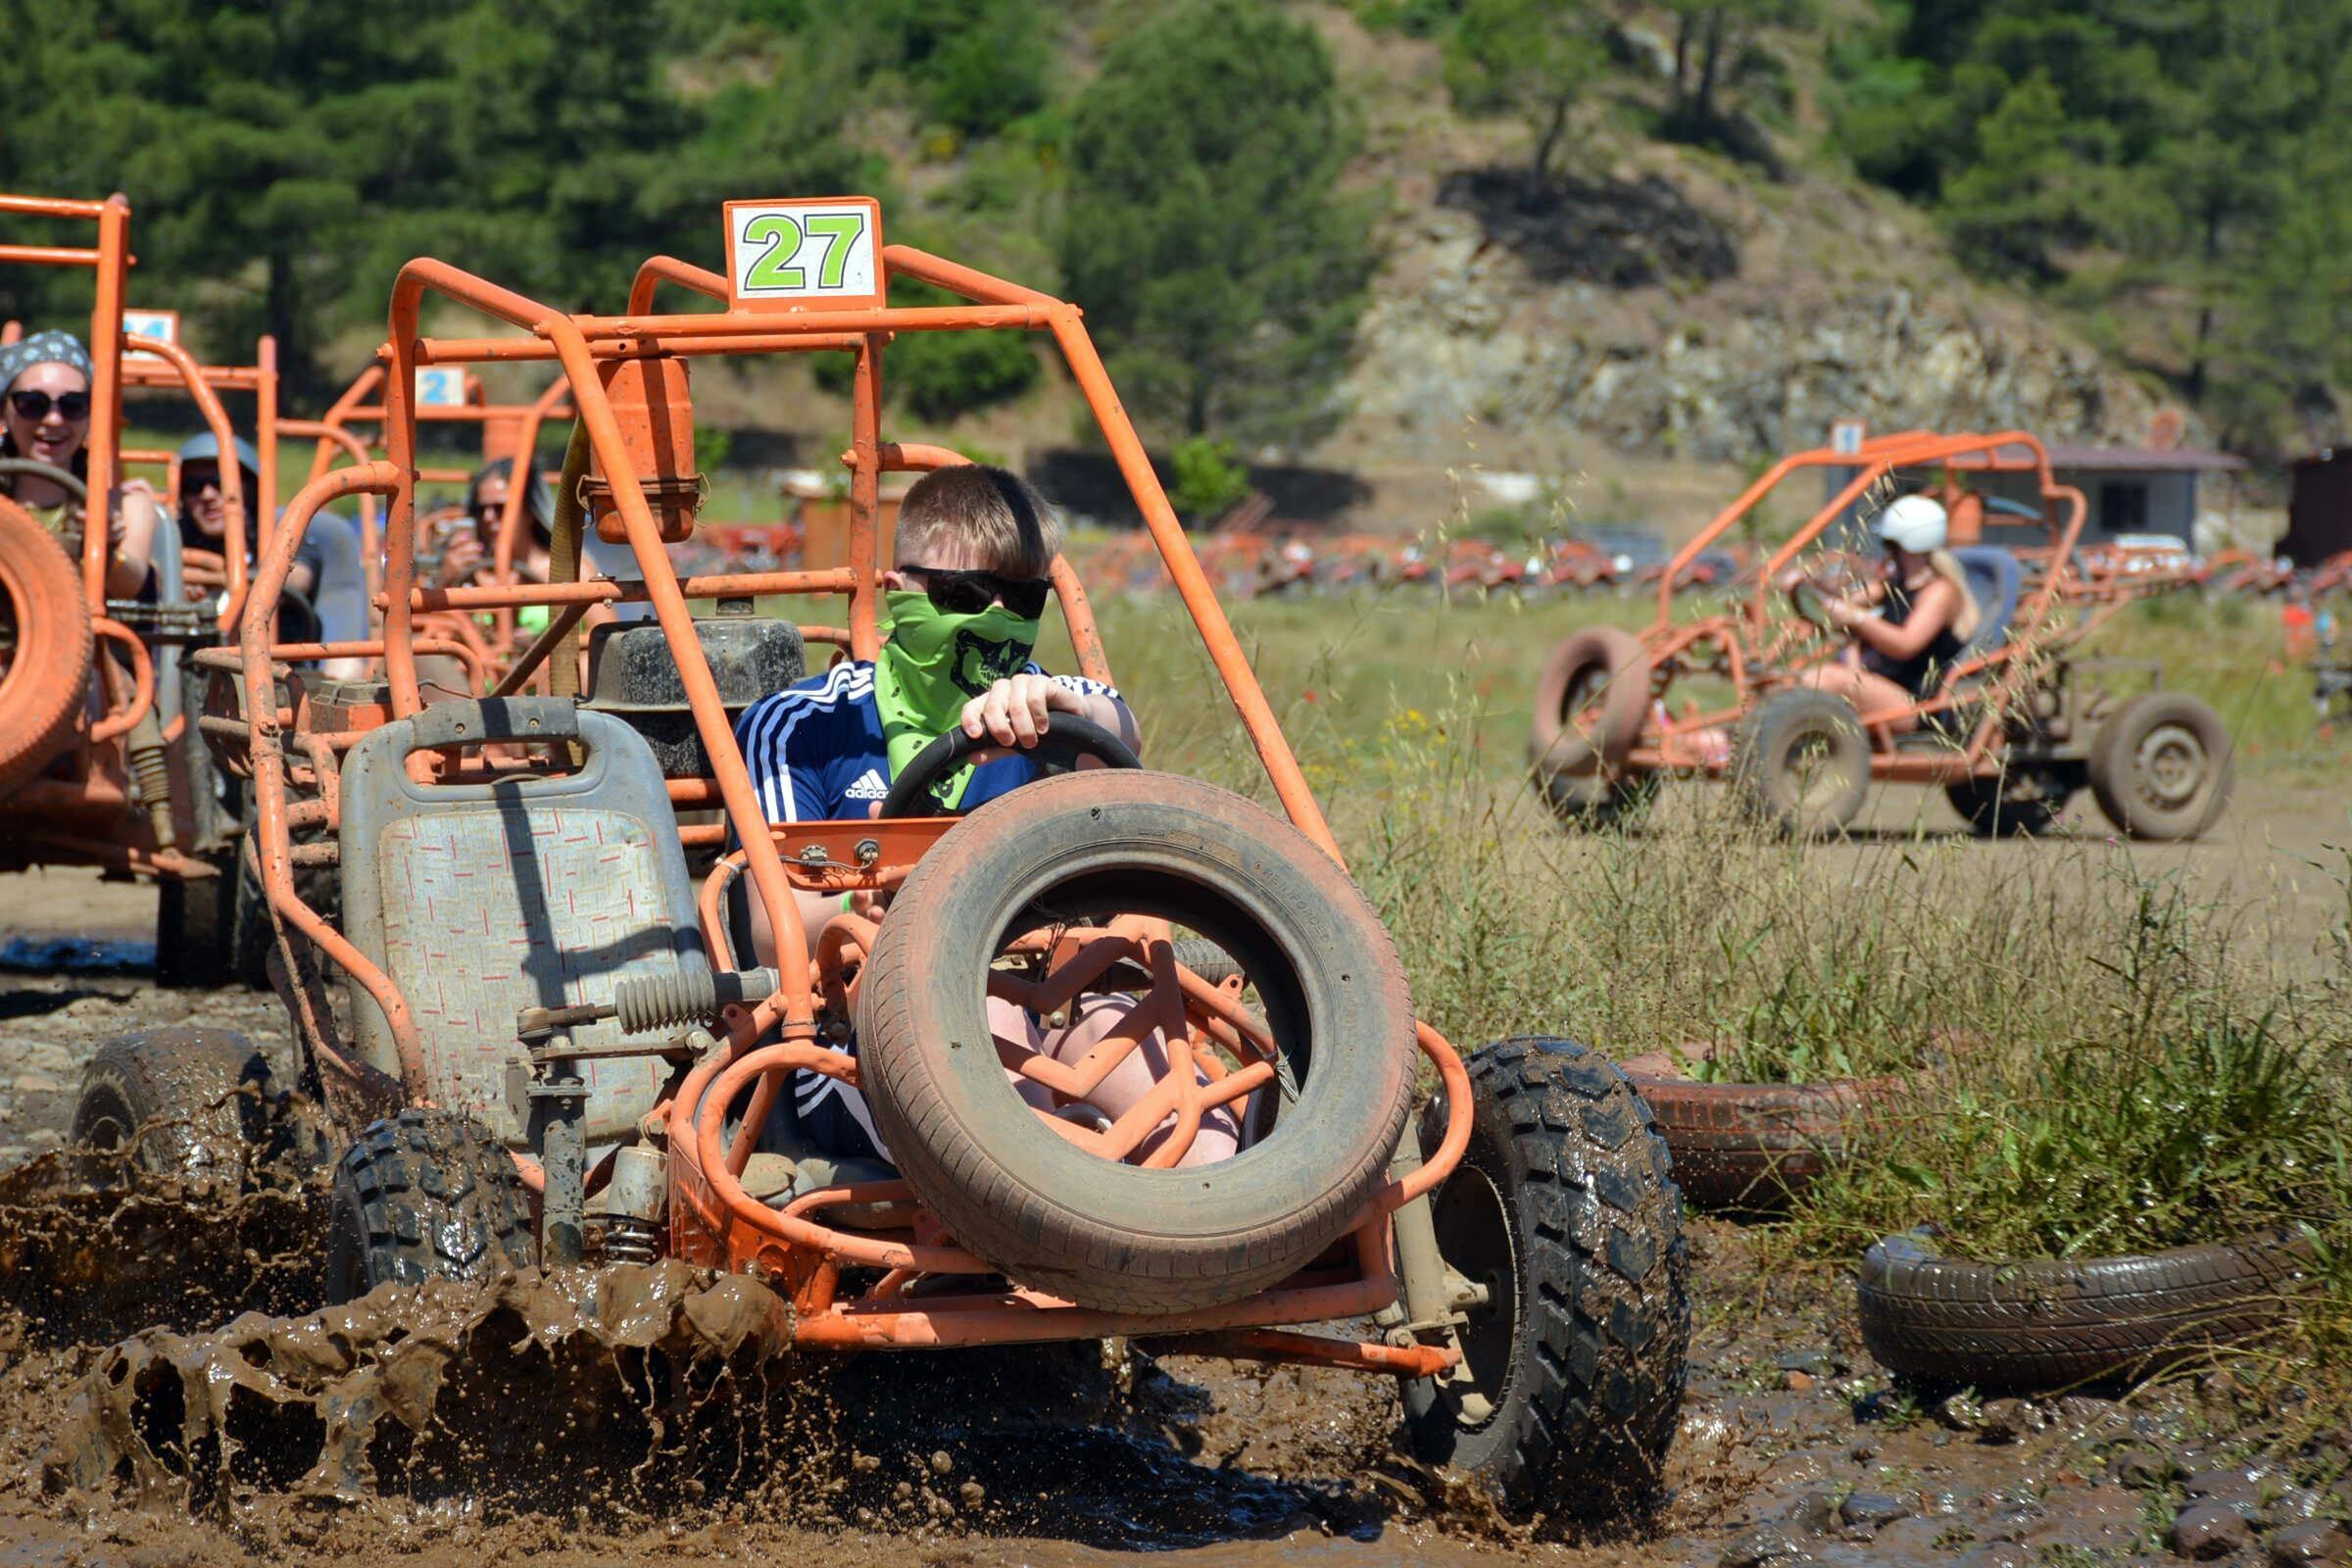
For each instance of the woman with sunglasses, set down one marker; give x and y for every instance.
(973, 550)
(45, 416)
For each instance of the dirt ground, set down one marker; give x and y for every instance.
(1793, 1450)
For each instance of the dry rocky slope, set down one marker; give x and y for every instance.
(1666, 302)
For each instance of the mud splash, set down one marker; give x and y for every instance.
(93, 1248)
(554, 1389)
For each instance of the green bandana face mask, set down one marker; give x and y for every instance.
(932, 665)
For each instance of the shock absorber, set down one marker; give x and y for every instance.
(151, 777)
(630, 1240)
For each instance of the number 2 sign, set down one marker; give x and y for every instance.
(823, 253)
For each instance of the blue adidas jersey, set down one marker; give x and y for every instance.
(816, 750)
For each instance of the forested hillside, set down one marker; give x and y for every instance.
(1690, 227)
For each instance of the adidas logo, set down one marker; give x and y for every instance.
(870, 786)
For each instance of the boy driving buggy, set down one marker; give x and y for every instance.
(969, 584)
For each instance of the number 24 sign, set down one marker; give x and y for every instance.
(823, 253)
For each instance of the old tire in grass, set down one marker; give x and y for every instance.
(198, 1105)
(1564, 1209)
(45, 663)
(1590, 704)
(2162, 766)
(1803, 763)
(2019, 802)
(1105, 1233)
(1749, 1148)
(425, 1195)
(2040, 1325)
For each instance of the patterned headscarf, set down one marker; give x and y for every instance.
(42, 347)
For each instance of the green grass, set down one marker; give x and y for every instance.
(2106, 1052)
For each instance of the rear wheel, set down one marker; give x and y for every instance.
(196, 1105)
(2020, 802)
(425, 1195)
(2162, 766)
(1804, 764)
(194, 918)
(1564, 1217)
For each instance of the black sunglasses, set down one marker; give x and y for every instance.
(36, 405)
(968, 593)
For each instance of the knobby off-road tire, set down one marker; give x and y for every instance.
(198, 1105)
(2162, 766)
(1565, 1207)
(425, 1195)
(1803, 764)
(1109, 1235)
(2042, 1325)
(49, 666)
(1749, 1148)
(1590, 702)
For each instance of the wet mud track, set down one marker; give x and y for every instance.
(171, 1392)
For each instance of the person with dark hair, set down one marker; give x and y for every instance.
(470, 552)
(327, 571)
(45, 414)
(965, 594)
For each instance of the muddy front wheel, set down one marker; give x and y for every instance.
(425, 1195)
(1563, 1230)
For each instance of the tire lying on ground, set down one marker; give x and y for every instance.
(1590, 704)
(2162, 766)
(1564, 1211)
(2040, 1325)
(45, 663)
(200, 1105)
(1749, 1148)
(425, 1195)
(1102, 1234)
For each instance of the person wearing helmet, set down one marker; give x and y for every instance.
(45, 417)
(1909, 627)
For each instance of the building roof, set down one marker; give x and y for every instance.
(2143, 460)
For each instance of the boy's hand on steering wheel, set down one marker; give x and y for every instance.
(1013, 711)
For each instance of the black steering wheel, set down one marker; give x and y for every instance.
(64, 479)
(1057, 751)
(1813, 605)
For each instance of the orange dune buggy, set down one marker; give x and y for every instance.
(100, 759)
(554, 1056)
(2009, 734)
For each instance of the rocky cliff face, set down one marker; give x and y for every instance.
(1715, 326)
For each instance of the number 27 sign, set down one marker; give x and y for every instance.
(822, 253)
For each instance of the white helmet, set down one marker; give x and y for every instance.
(1917, 523)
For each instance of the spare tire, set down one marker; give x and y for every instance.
(1749, 1148)
(1590, 704)
(45, 646)
(2162, 765)
(1049, 1214)
(2047, 1324)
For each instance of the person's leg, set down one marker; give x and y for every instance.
(1099, 1018)
(1870, 693)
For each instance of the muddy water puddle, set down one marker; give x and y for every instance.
(172, 1390)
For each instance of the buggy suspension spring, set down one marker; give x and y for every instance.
(630, 1240)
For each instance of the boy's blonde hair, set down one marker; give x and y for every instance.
(992, 511)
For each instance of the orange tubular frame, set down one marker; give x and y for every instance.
(75, 824)
(713, 1220)
(1744, 638)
